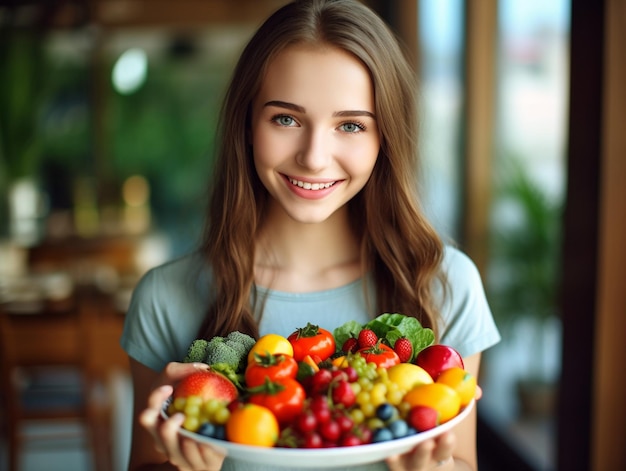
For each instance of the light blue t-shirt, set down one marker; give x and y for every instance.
(169, 304)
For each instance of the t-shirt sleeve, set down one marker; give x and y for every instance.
(144, 332)
(468, 324)
(163, 316)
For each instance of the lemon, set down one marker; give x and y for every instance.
(408, 375)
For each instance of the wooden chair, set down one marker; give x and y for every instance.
(33, 344)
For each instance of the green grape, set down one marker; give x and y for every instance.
(357, 416)
(192, 410)
(363, 398)
(179, 404)
(365, 383)
(221, 416)
(191, 423)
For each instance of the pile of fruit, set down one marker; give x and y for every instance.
(316, 389)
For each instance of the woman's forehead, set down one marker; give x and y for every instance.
(306, 74)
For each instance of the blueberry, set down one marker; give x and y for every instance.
(220, 432)
(398, 428)
(382, 434)
(385, 411)
(207, 429)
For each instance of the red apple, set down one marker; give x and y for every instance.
(436, 358)
(207, 385)
(423, 418)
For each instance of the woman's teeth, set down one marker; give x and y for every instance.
(311, 186)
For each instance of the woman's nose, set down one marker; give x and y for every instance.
(315, 153)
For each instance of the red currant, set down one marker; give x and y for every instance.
(306, 422)
(344, 394)
(352, 374)
(321, 379)
(330, 431)
(313, 440)
(350, 440)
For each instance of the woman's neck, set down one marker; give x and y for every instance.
(297, 257)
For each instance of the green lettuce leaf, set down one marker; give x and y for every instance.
(390, 327)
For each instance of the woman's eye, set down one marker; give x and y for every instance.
(352, 127)
(285, 120)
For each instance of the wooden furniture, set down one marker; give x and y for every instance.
(36, 350)
(74, 338)
(47, 373)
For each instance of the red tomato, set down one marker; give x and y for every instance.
(271, 367)
(312, 340)
(285, 398)
(380, 354)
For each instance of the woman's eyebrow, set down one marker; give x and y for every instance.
(301, 109)
(352, 113)
(285, 104)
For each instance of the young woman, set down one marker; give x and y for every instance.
(314, 217)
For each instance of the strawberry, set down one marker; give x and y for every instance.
(206, 385)
(367, 338)
(404, 349)
(350, 346)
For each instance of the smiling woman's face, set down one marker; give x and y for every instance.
(314, 133)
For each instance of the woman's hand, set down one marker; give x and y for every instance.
(430, 454)
(184, 453)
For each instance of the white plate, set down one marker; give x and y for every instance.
(323, 457)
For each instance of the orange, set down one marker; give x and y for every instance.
(461, 381)
(271, 344)
(440, 397)
(252, 424)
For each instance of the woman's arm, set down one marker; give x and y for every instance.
(156, 444)
(459, 443)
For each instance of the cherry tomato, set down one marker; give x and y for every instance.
(272, 367)
(380, 354)
(312, 340)
(285, 398)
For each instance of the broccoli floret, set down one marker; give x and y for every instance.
(228, 355)
(243, 339)
(242, 344)
(219, 352)
(196, 352)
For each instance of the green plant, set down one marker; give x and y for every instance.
(526, 249)
(20, 94)
(523, 279)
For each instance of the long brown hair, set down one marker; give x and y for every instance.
(399, 247)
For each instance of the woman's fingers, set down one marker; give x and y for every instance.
(180, 451)
(416, 459)
(426, 455)
(446, 443)
(201, 456)
(150, 418)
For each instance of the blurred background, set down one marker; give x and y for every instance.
(107, 119)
